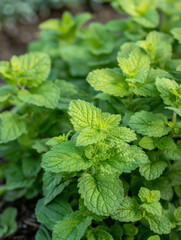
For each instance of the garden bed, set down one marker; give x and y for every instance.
(90, 124)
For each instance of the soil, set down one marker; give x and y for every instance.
(15, 42)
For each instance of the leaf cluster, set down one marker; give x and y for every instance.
(104, 152)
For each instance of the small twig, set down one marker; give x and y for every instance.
(31, 224)
(19, 237)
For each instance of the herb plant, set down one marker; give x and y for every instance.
(109, 147)
(95, 44)
(33, 112)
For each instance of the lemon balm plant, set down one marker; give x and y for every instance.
(100, 161)
(33, 112)
(125, 175)
(105, 153)
(76, 45)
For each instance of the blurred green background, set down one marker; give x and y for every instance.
(27, 11)
(19, 19)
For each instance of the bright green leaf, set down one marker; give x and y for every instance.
(65, 158)
(46, 95)
(177, 33)
(136, 66)
(6, 91)
(102, 193)
(12, 126)
(155, 237)
(150, 124)
(153, 170)
(109, 81)
(128, 211)
(84, 115)
(28, 70)
(147, 143)
(159, 224)
(148, 196)
(72, 227)
(170, 91)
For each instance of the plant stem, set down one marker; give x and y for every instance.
(174, 118)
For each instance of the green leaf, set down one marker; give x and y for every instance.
(63, 27)
(126, 49)
(98, 234)
(93, 125)
(128, 211)
(8, 223)
(131, 157)
(165, 143)
(150, 124)
(42, 234)
(148, 87)
(56, 141)
(126, 160)
(159, 224)
(6, 91)
(148, 196)
(12, 126)
(15, 179)
(149, 20)
(176, 33)
(51, 213)
(30, 166)
(110, 121)
(65, 158)
(177, 214)
(122, 134)
(153, 169)
(109, 81)
(136, 66)
(71, 227)
(82, 18)
(137, 8)
(40, 145)
(154, 208)
(164, 186)
(155, 45)
(30, 69)
(46, 95)
(89, 136)
(84, 115)
(102, 193)
(53, 185)
(68, 92)
(155, 237)
(99, 39)
(147, 143)
(176, 110)
(169, 91)
(173, 176)
(174, 151)
(130, 230)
